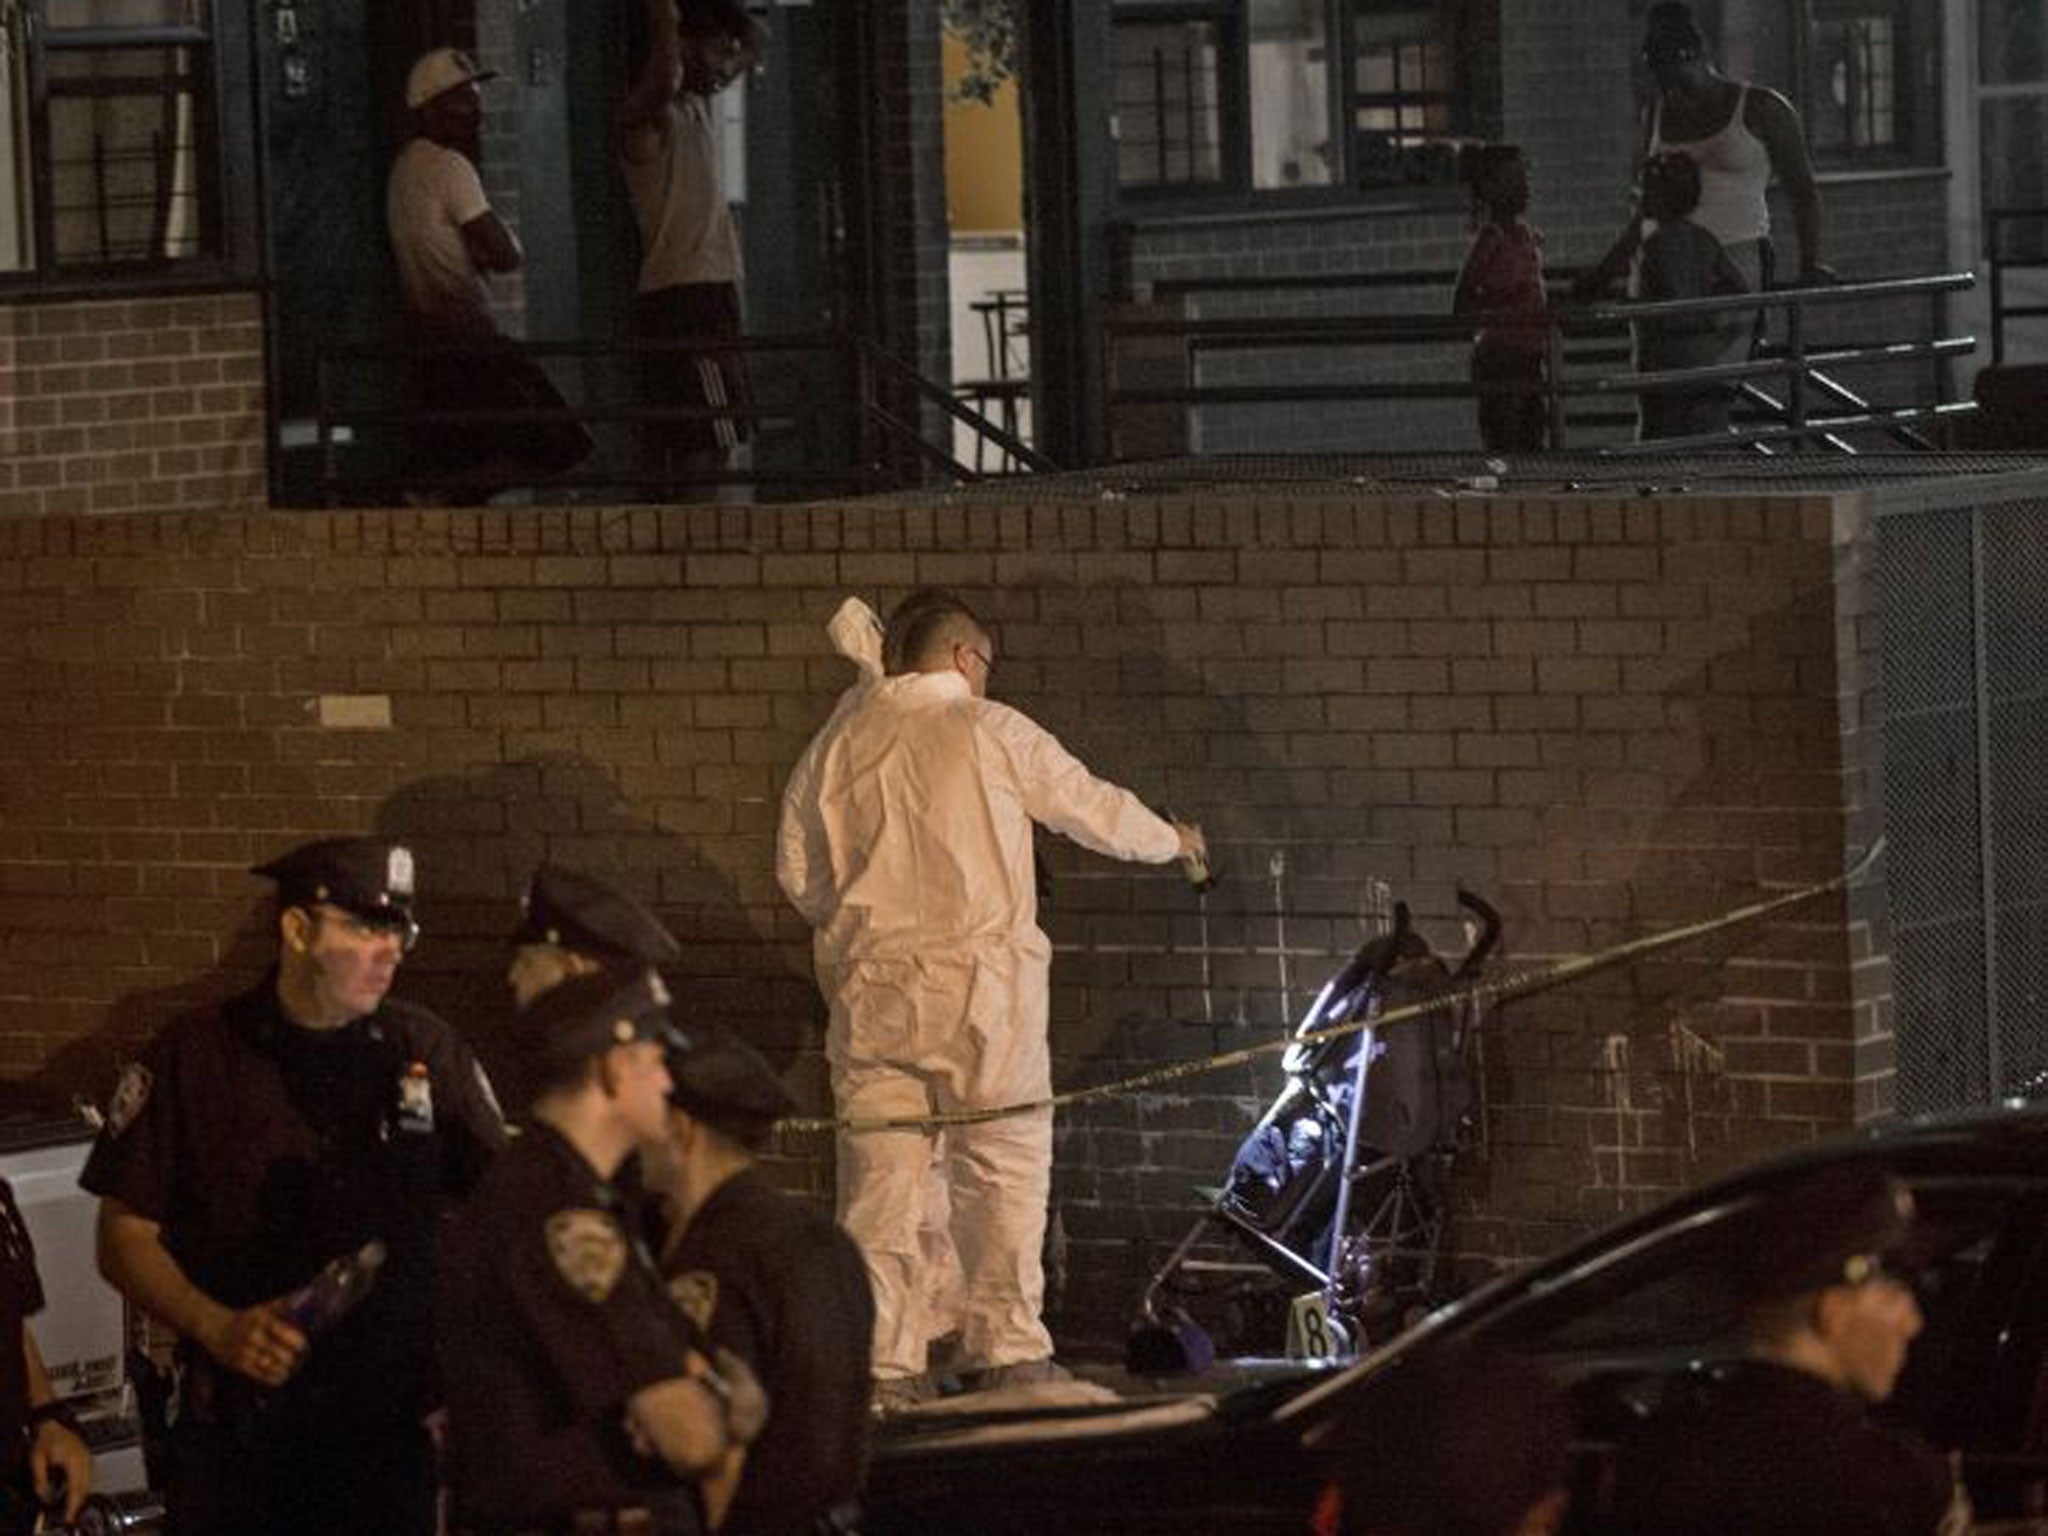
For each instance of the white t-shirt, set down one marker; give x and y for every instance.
(433, 192)
(687, 233)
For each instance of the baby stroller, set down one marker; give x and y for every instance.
(1337, 1190)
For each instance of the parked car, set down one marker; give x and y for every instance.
(1621, 1319)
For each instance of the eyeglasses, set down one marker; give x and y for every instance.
(364, 929)
(987, 661)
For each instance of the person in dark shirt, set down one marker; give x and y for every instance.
(46, 1465)
(776, 1281)
(580, 1398)
(1781, 1442)
(258, 1142)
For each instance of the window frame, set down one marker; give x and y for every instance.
(1233, 123)
(1234, 189)
(1916, 103)
(224, 159)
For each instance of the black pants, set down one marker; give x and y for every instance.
(488, 374)
(240, 1477)
(1511, 423)
(690, 380)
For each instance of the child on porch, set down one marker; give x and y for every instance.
(1502, 286)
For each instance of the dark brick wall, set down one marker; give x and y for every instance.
(132, 405)
(1610, 715)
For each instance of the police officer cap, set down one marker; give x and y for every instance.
(367, 876)
(724, 1082)
(1841, 1226)
(588, 916)
(588, 1015)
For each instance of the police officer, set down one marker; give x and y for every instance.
(572, 925)
(1781, 1443)
(776, 1281)
(45, 1462)
(578, 1398)
(254, 1144)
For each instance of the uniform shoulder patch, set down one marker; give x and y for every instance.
(696, 1292)
(130, 1095)
(589, 1250)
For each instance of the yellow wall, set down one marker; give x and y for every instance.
(984, 155)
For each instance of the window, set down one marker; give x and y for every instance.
(1284, 95)
(2012, 101)
(1169, 103)
(1855, 79)
(106, 134)
(1863, 74)
(1401, 95)
(1288, 48)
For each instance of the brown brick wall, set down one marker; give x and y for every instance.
(1610, 715)
(131, 406)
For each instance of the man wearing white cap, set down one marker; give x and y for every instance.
(447, 239)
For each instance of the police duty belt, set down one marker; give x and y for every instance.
(1483, 994)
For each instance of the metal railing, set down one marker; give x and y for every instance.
(2000, 224)
(1811, 408)
(839, 416)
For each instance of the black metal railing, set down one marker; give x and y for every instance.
(828, 413)
(1789, 389)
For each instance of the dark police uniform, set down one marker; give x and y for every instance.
(778, 1282)
(550, 1317)
(1767, 1450)
(264, 1151)
(1764, 1448)
(21, 1297)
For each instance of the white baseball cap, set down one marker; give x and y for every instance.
(442, 70)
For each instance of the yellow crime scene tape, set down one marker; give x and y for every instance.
(1483, 994)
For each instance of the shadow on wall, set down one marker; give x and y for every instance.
(1718, 783)
(1309, 853)
(479, 835)
(82, 1072)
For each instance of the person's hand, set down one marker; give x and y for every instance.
(60, 1466)
(258, 1343)
(746, 1401)
(1191, 840)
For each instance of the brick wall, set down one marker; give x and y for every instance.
(904, 169)
(1610, 715)
(132, 405)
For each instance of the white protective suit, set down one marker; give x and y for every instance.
(905, 841)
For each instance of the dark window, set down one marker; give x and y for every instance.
(108, 146)
(1169, 100)
(1278, 95)
(1858, 82)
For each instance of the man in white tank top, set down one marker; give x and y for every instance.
(1741, 136)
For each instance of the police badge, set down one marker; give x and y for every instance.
(130, 1095)
(589, 1251)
